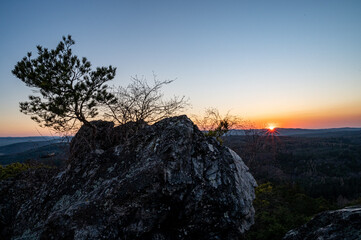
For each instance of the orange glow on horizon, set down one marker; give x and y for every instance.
(336, 117)
(20, 125)
(271, 127)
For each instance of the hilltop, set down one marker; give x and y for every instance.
(163, 181)
(294, 132)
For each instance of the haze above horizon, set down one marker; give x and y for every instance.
(290, 64)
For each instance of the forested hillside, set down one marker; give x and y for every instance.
(299, 177)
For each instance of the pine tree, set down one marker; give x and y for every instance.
(69, 91)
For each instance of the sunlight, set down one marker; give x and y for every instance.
(271, 127)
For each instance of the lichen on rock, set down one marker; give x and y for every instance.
(331, 225)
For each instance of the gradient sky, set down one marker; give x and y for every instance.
(292, 63)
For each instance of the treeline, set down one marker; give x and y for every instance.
(12, 170)
(322, 167)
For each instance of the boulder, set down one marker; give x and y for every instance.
(342, 224)
(163, 181)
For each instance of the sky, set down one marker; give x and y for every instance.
(290, 63)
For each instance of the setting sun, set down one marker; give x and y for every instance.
(271, 127)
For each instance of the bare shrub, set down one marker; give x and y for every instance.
(143, 102)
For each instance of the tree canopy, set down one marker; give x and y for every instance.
(69, 91)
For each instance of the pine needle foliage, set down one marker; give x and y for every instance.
(68, 90)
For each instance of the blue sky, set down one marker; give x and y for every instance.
(264, 60)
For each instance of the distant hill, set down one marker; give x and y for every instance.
(317, 132)
(24, 146)
(11, 140)
(51, 154)
(324, 163)
(327, 132)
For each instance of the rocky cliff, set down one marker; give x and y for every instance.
(164, 181)
(342, 224)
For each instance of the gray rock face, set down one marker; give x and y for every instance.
(343, 224)
(164, 181)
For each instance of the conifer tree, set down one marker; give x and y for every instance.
(69, 91)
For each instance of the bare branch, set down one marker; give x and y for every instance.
(140, 101)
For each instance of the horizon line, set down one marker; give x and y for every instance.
(239, 129)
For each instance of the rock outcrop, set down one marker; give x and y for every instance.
(164, 181)
(342, 224)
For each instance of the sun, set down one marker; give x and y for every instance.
(271, 127)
